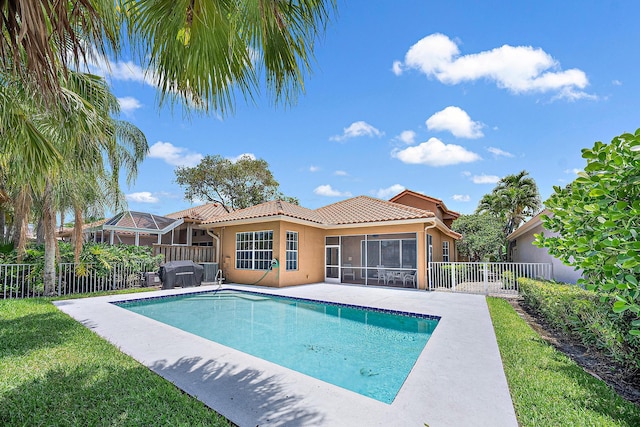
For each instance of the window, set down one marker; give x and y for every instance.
(445, 251)
(292, 250)
(429, 248)
(254, 250)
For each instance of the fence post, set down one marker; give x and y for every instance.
(60, 267)
(486, 278)
(453, 276)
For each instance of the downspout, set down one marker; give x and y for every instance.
(428, 275)
(212, 234)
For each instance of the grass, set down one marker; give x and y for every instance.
(547, 387)
(54, 371)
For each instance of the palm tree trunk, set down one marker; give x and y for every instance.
(21, 207)
(77, 233)
(3, 225)
(49, 223)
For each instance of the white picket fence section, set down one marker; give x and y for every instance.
(25, 280)
(488, 278)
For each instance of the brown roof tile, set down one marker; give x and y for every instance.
(357, 210)
(200, 213)
(269, 209)
(365, 209)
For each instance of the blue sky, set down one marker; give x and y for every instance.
(440, 97)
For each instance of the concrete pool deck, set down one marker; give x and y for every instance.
(458, 379)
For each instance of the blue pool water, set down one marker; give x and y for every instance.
(363, 350)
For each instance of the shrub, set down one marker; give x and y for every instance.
(586, 316)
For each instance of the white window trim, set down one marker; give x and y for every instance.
(253, 260)
(445, 251)
(291, 251)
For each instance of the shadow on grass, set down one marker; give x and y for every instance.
(31, 325)
(598, 397)
(246, 396)
(553, 389)
(97, 395)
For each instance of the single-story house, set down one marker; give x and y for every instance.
(176, 235)
(523, 249)
(361, 240)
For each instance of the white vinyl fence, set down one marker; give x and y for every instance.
(488, 278)
(26, 280)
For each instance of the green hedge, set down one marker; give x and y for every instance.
(587, 317)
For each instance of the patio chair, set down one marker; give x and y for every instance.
(383, 275)
(347, 271)
(409, 278)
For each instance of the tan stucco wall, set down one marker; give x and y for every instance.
(311, 251)
(420, 203)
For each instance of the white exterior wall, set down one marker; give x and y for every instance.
(525, 251)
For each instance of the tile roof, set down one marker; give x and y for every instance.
(357, 210)
(269, 209)
(365, 209)
(200, 213)
(438, 202)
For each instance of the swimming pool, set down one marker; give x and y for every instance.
(367, 351)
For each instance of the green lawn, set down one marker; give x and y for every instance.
(547, 387)
(54, 371)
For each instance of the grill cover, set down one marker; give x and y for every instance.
(180, 273)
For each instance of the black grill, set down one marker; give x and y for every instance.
(181, 273)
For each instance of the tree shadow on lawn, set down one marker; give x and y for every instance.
(95, 395)
(39, 329)
(597, 396)
(245, 395)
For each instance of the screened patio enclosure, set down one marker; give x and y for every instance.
(135, 228)
(372, 259)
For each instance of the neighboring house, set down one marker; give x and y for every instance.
(163, 233)
(360, 240)
(523, 249)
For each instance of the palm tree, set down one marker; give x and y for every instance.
(201, 53)
(514, 198)
(91, 146)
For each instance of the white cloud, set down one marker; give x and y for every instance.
(386, 193)
(326, 190)
(313, 168)
(396, 68)
(357, 129)
(519, 69)
(456, 121)
(120, 70)
(176, 156)
(407, 136)
(250, 156)
(340, 173)
(466, 173)
(461, 197)
(616, 83)
(574, 171)
(485, 179)
(129, 104)
(498, 152)
(435, 153)
(142, 197)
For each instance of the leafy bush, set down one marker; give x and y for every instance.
(587, 317)
(95, 257)
(597, 218)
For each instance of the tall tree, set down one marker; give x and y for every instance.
(482, 237)
(514, 198)
(234, 184)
